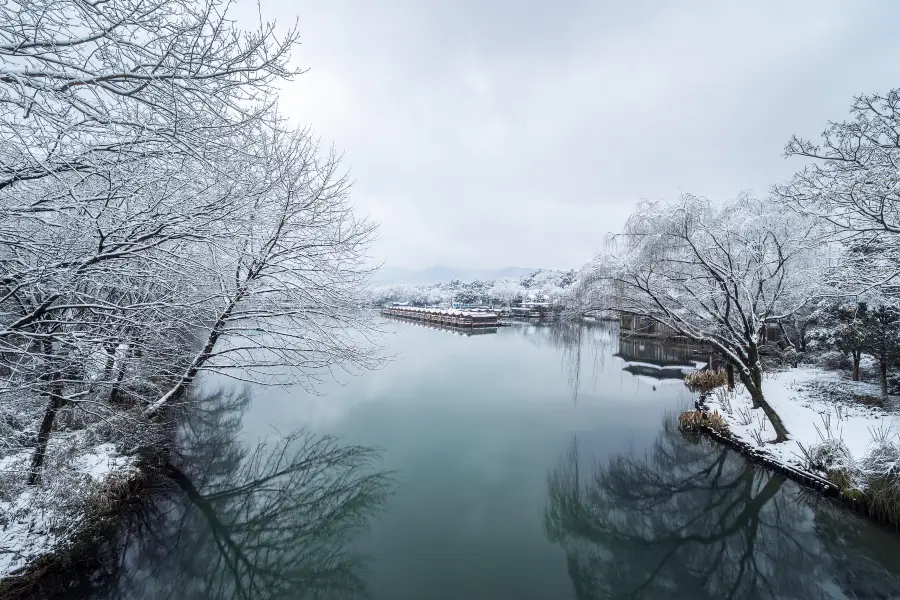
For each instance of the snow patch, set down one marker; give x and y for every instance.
(103, 461)
(36, 520)
(813, 404)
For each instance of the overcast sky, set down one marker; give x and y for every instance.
(489, 134)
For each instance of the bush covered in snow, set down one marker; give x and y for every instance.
(79, 478)
(833, 360)
(883, 456)
(832, 454)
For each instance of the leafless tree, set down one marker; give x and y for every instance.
(852, 185)
(716, 274)
(157, 216)
(86, 85)
(288, 289)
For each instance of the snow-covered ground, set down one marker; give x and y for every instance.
(36, 520)
(815, 405)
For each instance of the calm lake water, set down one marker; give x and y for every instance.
(527, 463)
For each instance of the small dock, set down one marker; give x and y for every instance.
(450, 317)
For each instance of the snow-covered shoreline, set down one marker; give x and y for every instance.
(821, 410)
(39, 521)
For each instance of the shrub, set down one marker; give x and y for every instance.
(790, 356)
(831, 454)
(715, 421)
(883, 458)
(882, 498)
(844, 480)
(834, 360)
(870, 400)
(704, 381)
(873, 482)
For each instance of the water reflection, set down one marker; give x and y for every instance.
(689, 519)
(466, 331)
(580, 345)
(473, 427)
(660, 360)
(274, 520)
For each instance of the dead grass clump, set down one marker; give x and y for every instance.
(843, 478)
(705, 381)
(882, 499)
(695, 420)
(873, 482)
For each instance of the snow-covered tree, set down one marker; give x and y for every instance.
(287, 288)
(157, 216)
(852, 186)
(88, 85)
(716, 274)
(844, 328)
(881, 337)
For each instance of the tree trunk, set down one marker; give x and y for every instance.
(114, 392)
(784, 335)
(857, 356)
(120, 375)
(181, 386)
(759, 401)
(882, 367)
(752, 380)
(37, 462)
(110, 350)
(729, 370)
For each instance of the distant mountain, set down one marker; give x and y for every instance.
(441, 274)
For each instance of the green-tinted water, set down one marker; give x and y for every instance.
(525, 464)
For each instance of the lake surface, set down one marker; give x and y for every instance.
(528, 463)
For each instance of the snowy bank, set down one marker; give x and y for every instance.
(819, 408)
(36, 521)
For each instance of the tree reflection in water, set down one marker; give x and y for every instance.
(273, 521)
(691, 519)
(578, 343)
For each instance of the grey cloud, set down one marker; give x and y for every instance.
(511, 133)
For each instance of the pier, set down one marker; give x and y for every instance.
(449, 317)
(531, 311)
(465, 331)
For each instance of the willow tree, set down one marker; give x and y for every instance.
(716, 274)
